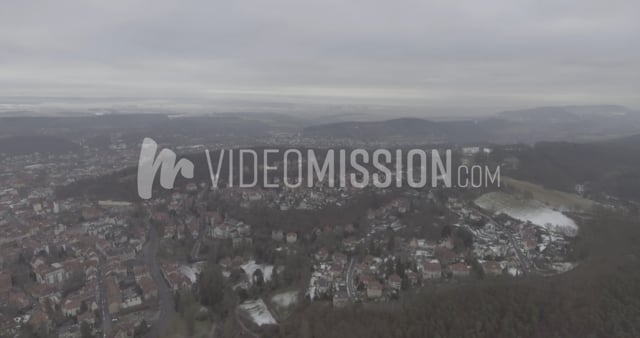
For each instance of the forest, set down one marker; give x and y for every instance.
(609, 168)
(600, 298)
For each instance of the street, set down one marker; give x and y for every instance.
(524, 260)
(165, 295)
(104, 308)
(351, 289)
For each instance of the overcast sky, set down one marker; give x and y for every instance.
(467, 55)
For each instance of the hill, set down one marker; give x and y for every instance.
(567, 123)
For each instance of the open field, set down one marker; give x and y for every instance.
(554, 198)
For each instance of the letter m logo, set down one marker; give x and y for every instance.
(149, 164)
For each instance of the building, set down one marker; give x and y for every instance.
(148, 287)
(113, 295)
(212, 218)
(175, 279)
(395, 282)
(412, 277)
(221, 231)
(492, 268)
(322, 254)
(40, 320)
(51, 274)
(71, 307)
(460, 270)
(340, 298)
(87, 317)
(430, 269)
(130, 298)
(340, 258)
(277, 235)
(374, 290)
(292, 237)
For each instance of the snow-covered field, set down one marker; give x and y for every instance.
(258, 312)
(285, 299)
(528, 210)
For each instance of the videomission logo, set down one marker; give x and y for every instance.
(357, 168)
(149, 164)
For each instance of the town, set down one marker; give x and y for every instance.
(74, 266)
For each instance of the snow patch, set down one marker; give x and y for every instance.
(561, 267)
(258, 312)
(285, 299)
(528, 211)
(251, 267)
(191, 271)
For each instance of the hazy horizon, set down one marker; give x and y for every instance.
(179, 106)
(435, 58)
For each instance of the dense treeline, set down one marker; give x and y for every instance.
(600, 298)
(611, 168)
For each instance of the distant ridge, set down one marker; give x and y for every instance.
(366, 130)
(29, 144)
(567, 113)
(563, 123)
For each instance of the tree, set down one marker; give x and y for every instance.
(296, 268)
(466, 236)
(446, 231)
(211, 286)
(190, 319)
(305, 329)
(75, 282)
(176, 302)
(258, 277)
(142, 329)
(85, 330)
(275, 278)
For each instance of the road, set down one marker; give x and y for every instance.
(524, 260)
(212, 332)
(104, 309)
(194, 255)
(351, 288)
(165, 295)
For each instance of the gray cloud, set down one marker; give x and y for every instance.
(477, 56)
